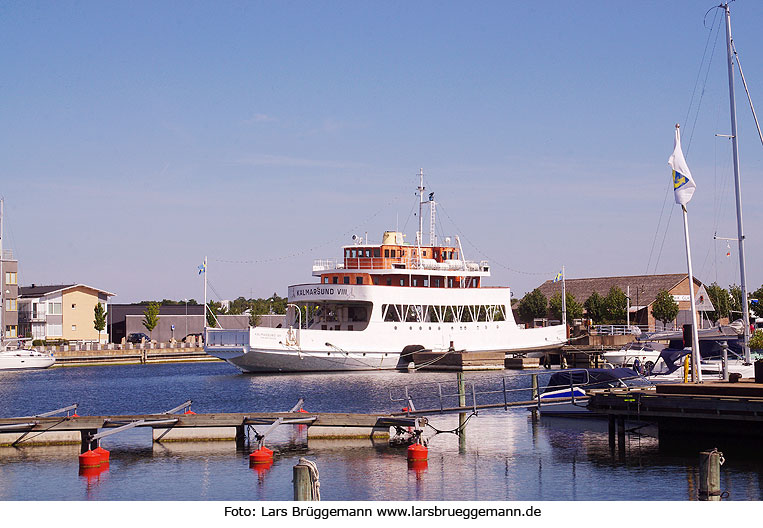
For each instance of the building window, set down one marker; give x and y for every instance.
(55, 330)
(74, 328)
(346, 280)
(10, 305)
(74, 306)
(11, 331)
(358, 280)
(10, 277)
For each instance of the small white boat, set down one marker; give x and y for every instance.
(635, 355)
(25, 358)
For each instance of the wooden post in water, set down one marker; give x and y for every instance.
(461, 415)
(710, 475)
(621, 436)
(305, 478)
(535, 395)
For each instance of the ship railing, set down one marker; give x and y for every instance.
(223, 337)
(409, 263)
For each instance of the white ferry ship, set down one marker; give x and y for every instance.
(381, 302)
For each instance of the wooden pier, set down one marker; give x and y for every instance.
(711, 411)
(84, 430)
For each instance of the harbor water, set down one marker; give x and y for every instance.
(505, 454)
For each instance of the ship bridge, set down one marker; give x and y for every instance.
(396, 263)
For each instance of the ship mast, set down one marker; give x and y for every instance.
(420, 233)
(737, 186)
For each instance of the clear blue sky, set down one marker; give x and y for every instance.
(137, 137)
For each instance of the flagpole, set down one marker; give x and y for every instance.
(205, 297)
(696, 374)
(564, 299)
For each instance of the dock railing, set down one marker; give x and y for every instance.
(444, 397)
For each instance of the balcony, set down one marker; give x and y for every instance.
(29, 316)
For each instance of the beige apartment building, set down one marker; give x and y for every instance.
(62, 311)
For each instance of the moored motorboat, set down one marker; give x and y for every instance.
(25, 358)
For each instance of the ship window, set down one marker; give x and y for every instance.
(335, 279)
(377, 252)
(415, 282)
(392, 253)
(368, 253)
(346, 280)
(436, 254)
(353, 253)
(436, 283)
(475, 281)
(402, 282)
(386, 253)
(426, 282)
(389, 282)
(347, 253)
(325, 280)
(376, 281)
(358, 280)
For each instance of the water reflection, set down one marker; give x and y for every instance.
(502, 455)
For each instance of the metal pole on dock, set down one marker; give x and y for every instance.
(535, 395)
(306, 483)
(710, 475)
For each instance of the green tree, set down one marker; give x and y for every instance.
(615, 306)
(720, 299)
(757, 307)
(594, 307)
(756, 341)
(213, 309)
(664, 307)
(735, 302)
(533, 306)
(151, 317)
(99, 323)
(574, 308)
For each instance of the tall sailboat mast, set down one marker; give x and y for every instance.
(737, 186)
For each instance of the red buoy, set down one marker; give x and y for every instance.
(89, 459)
(262, 455)
(103, 453)
(417, 452)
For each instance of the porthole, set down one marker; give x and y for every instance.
(420, 328)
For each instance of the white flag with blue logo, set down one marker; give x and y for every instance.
(683, 183)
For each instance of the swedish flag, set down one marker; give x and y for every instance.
(202, 268)
(558, 277)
